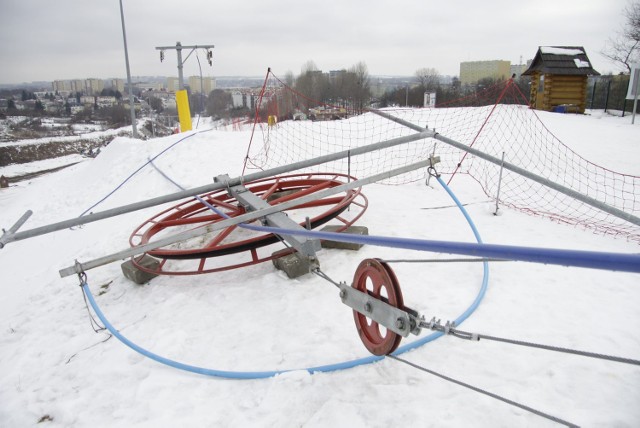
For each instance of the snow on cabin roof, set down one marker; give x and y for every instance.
(580, 63)
(564, 60)
(560, 51)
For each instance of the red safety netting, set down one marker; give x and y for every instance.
(290, 127)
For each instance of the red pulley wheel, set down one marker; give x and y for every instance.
(378, 280)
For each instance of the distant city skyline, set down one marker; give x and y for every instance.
(84, 39)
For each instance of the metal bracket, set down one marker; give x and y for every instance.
(305, 246)
(7, 235)
(390, 317)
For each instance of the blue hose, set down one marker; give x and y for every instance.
(324, 368)
(108, 195)
(575, 258)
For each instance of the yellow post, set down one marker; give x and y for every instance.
(184, 114)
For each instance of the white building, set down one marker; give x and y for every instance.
(205, 86)
(237, 99)
(106, 101)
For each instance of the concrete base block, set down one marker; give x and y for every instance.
(294, 264)
(136, 275)
(354, 230)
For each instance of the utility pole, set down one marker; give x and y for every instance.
(178, 48)
(182, 98)
(126, 58)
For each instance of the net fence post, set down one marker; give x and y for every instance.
(499, 184)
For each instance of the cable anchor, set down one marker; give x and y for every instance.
(431, 169)
(82, 275)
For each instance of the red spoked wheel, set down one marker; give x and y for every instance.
(379, 281)
(234, 240)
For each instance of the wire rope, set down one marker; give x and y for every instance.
(321, 368)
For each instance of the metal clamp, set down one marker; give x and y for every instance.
(390, 317)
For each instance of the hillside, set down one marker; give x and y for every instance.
(55, 369)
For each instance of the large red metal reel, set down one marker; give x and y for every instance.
(232, 240)
(379, 281)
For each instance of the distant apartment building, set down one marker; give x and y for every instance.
(205, 86)
(84, 86)
(472, 71)
(61, 85)
(77, 86)
(518, 69)
(94, 86)
(117, 85)
(334, 75)
(145, 86)
(172, 84)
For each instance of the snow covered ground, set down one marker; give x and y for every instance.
(55, 369)
(14, 170)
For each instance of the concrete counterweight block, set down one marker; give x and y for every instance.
(294, 264)
(136, 275)
(354, 230)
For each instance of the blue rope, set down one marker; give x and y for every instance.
(577, 258)
(119, 186)
(585, 259)
(324, 368)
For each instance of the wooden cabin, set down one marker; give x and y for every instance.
(559, 79)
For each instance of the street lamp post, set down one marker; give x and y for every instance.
(126, 58)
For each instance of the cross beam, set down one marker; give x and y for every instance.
(178, 48)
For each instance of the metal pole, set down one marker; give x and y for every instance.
(634, 80)
(180, 76)
(13, 229)
(215, 186)
(548, 183)
(499, 185)
(252, 215)
(126, 58)
(201, 87)
(538, 179)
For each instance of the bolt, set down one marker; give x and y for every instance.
(368, 307)
(400, 324)
(343, 294)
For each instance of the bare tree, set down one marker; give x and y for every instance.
(218, 103)
(289, 79)
(362, 85)
(428, 78)
(309, 66)
(624, 48)
(312, 83)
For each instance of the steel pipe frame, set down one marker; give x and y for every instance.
(82, 267)
(521, 171)
(66, 224)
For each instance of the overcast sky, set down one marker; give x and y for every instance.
(65, 39)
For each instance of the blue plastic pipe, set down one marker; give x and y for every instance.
(576, 258)
(324, 368)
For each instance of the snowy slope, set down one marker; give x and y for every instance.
(55, 369)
